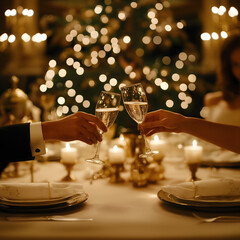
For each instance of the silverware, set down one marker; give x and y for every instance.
(226, 218)
(46, 218)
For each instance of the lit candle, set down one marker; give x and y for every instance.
(121, 141)
(159, 146)
(69, 155)
(193, 154)
(116, 155)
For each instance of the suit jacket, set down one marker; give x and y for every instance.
(15, 143)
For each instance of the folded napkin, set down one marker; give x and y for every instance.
(38, 191)
(205, 189)
(222, 156)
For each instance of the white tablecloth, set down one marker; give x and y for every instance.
(120, 211)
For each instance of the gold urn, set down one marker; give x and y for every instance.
(13, 104)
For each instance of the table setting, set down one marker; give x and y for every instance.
(128, 187)
(122, 206)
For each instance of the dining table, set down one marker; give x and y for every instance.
(118, 210)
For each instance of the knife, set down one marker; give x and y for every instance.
(46, 218)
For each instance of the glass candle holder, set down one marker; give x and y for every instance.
(115, 173)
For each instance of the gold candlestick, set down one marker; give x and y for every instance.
(193, 168)
(68, 177)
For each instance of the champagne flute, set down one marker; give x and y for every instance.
(136, 104)
(106, 110)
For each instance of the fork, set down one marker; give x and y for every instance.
(218, 218)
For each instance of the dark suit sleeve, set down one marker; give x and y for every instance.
(15, 143)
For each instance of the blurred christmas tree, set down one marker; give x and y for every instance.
(114, 42)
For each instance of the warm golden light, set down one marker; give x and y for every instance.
(80, 71)
(183, 87)
(233, 12)
(11, 38)
(205, 36)
(62, 72)
(61, 100)
(158, 81)
(25, 37)
(169, 103)
(98, 9)
(184, 105)
(182, 95)
(3, 37)
(133, 4)
(69, 61)
(126, 39)
(168, 28)
(146, 39)
(180, 25)
(175, 77)
(215, 36)
(164, 85)
(159, 6)
(122, 15)
(107, 87)
(52, 63)
(224, 34)
(157, 40)
(192, 78)
(179, 64)
(113, 82)
(74, 108)
(71, 92)
(69, 83)
(102, 78)
(79, 98)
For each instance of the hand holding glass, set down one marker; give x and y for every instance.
(136, 104)
(106, 110)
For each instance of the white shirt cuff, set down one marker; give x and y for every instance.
(36, 139)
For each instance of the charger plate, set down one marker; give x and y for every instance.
(208, 204)
(25, 206)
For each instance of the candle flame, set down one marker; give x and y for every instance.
(115, 147)
(156, 138)
(194, 143)
(121, 137)
(67, 146)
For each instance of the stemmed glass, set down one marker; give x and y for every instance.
(136, 104)
(106, 110)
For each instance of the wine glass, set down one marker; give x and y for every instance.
(106, 110)
(136, 104)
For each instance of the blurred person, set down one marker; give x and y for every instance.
(24, 141)
(223, 135)
(224, 106)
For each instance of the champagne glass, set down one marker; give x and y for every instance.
(106, 110)
(136, 104)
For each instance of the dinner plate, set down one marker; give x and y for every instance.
(208, 204)
(11, 205)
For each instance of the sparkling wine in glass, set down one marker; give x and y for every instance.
(136, 104)
(106, 110)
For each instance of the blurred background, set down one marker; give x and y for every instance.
(57, 55)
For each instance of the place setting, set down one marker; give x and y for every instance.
(201, 192)
(41, 197)
(204, 195)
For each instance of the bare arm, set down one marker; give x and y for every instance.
(79, 126)
(225, 136)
